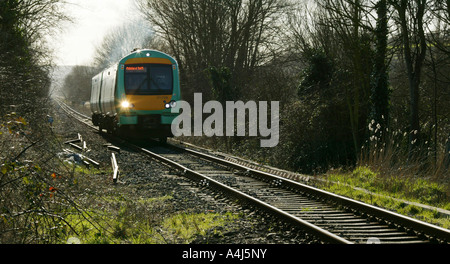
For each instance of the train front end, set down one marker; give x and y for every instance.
(148, 87)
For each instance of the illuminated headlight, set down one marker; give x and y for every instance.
(126, 105)
(171, 104)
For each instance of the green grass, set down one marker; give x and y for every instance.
(383, 190)
(186, 227)
(140, 221)
(178, 228)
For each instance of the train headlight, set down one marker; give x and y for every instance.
(126, 105)
(171, 104)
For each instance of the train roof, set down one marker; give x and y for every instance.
(147, 53)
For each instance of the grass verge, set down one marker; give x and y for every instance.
(394, 193)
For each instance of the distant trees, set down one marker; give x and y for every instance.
(77, 84)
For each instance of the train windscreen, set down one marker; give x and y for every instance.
(148, 79)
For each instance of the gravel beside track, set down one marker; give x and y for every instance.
(143, 178)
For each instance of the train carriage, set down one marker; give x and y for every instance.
(136, 95)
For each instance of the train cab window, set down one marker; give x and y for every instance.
(148, 79)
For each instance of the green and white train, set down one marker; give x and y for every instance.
(136, 95)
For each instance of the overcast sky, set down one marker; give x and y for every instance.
(92, 19)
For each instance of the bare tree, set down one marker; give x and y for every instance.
(350, 22)
(410, 18)
(234, 34)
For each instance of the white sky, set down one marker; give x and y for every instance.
(92, 19)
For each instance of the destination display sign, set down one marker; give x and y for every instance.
(136, 69)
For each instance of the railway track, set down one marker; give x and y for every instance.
(329, 217)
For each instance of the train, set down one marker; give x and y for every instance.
(135, 96)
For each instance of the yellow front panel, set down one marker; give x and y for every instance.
(148, 102)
